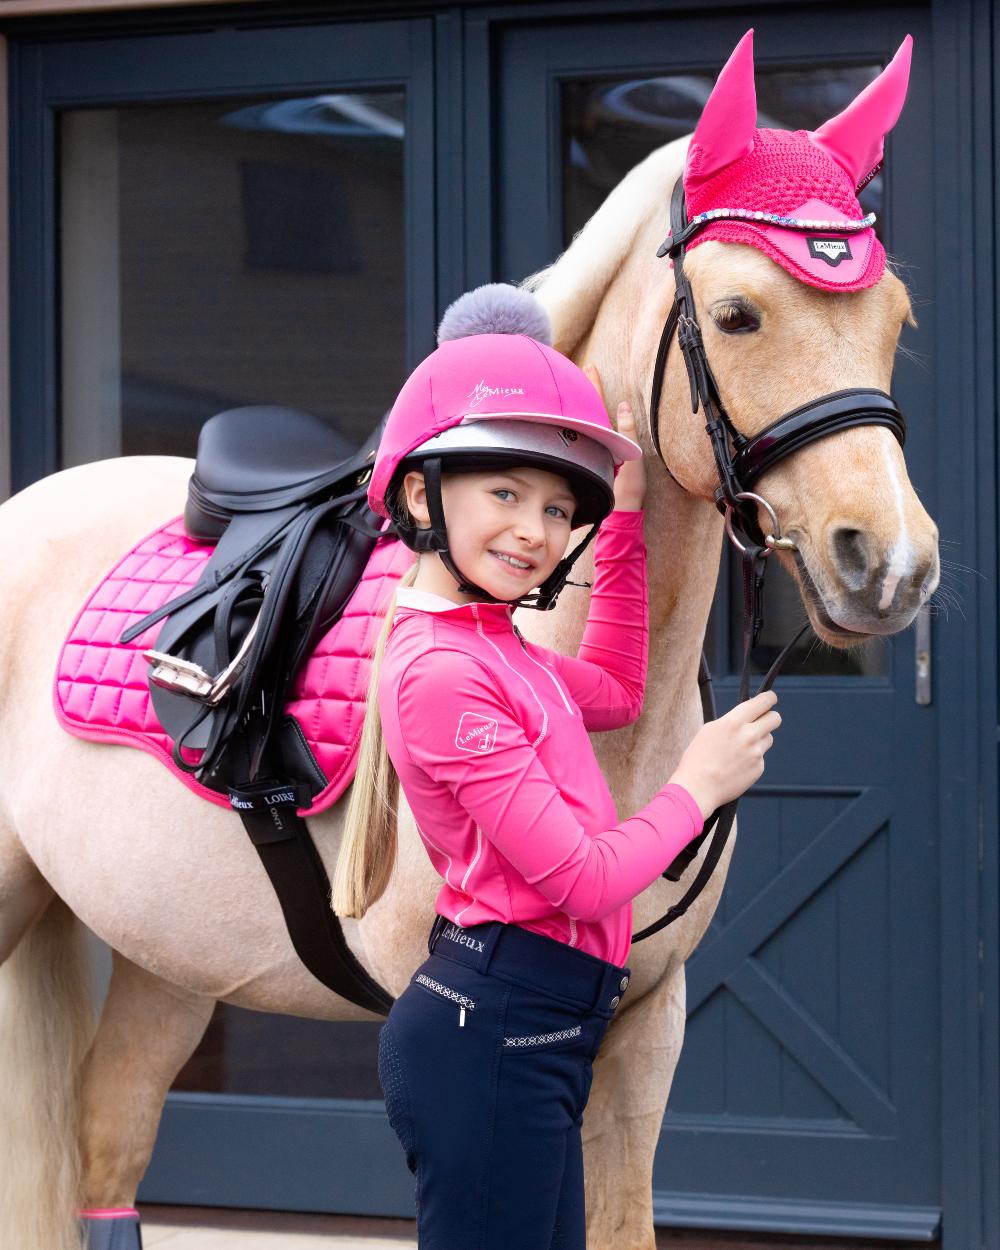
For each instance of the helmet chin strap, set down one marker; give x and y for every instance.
(436, 539)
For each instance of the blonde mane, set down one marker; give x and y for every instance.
(572, 287)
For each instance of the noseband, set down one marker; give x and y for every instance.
(741, 461)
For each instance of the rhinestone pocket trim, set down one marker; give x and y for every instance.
(445, 991)
(539, 1038)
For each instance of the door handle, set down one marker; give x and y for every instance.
(922, 655)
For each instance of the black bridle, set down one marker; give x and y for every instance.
(741, 461)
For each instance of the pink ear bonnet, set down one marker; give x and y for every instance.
(759, 178)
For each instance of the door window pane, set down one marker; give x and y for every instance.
(252, 1052)
(220, 253)
(609, 124)
(215, 254)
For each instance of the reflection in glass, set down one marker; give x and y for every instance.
(608, 126)
(229, 252)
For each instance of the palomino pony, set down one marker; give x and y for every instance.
(172, 884)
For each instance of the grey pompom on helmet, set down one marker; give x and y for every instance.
(496, 309)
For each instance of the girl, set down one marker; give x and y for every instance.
(496, 449)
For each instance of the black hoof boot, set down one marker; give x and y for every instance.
(117, 1230)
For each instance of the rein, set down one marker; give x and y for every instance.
(739, 470)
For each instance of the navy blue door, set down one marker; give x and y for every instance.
(808, 1092)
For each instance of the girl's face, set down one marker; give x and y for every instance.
(507, 529)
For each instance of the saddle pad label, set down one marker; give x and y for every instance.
(101, 691)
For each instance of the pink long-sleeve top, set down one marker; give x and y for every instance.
(488, 733)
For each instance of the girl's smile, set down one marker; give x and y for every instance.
(507, 529)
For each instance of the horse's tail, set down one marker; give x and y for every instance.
(46, 1025)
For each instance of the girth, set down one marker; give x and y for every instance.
(740, 460)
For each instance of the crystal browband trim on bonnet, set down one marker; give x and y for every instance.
(778, 219)
(673, 243)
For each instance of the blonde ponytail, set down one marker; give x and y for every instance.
(368, 846)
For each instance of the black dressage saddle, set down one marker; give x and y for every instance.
(288, 514)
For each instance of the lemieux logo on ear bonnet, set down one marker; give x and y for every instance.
(755, 182)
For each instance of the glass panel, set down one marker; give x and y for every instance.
(223, 253)
(784, 616)
(250, 1052)
(608, 126)
(214, 254)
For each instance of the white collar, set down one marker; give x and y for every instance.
(427, 601)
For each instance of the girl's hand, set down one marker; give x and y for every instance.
(630, 480)
(726, 756)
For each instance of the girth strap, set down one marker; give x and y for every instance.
(276, 581)
(281, 839)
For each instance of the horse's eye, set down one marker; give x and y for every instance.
(735, 318)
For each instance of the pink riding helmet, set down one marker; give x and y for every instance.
(492, 389)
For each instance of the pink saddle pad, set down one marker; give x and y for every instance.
(101, 689)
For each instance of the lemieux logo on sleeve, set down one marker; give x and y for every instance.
(476, 733)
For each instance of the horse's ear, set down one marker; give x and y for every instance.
(725, 130)
(854, 138)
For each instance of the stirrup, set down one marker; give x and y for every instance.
(187, 678)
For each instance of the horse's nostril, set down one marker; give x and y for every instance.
(850, 550)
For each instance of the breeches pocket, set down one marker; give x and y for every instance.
(546, 1050)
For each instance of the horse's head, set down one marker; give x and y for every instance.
(866, 549)
(804, 307)
(787, 315)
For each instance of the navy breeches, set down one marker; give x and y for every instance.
(485, 1063)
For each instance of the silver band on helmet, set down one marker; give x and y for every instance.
(540, 440)
(536, 438)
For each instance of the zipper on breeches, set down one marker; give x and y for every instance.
(465, 1003)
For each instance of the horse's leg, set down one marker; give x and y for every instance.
(24, 893)
(147, 1032)
(621, 1125)
(46, 1023)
